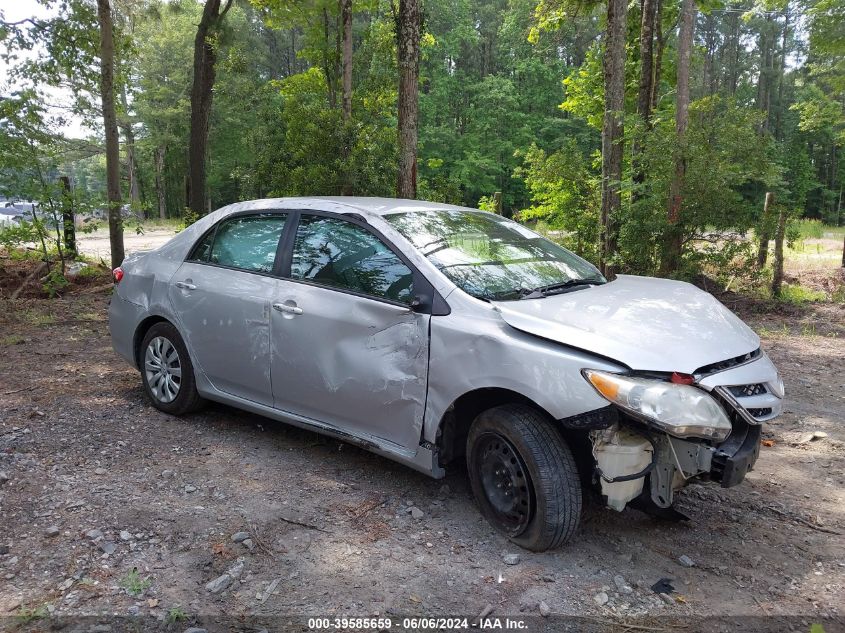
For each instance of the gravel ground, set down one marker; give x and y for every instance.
(96, 243)
(111, 508)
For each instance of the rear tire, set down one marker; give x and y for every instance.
(167, 371)
(524, 477)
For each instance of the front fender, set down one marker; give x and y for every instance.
(470, 352)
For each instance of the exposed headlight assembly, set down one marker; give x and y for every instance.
(679, 410)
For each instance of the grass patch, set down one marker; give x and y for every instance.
(799, 295)
(36, 317)
(93, 270)
(25, 615)
(12, 339)
(767, 332)
(134, 584)
(176, 614)
(808, 229)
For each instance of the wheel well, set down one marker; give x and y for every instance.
(140, 332)
(454, 426)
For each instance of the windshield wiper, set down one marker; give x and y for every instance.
(545, 291)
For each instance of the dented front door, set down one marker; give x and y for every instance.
(356, 363)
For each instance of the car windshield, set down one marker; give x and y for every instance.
(491, 257)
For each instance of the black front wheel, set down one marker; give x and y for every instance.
(524, 477)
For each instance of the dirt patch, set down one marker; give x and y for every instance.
(108, 506)
(16, 277)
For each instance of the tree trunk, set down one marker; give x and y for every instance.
(781, 75)
(408, 27)
(160, 192)
(734, 51)
(68, 221)
(132, 168)
(205, 60)
(764, 80)
(646, 89)
(649, 10)
(327, 64)
(131, 159)
(763, 248)
(346, 20)
(674, 236)
(612, 132)
(346, 94)
(777, 275)
(660, 38)
(110, 126)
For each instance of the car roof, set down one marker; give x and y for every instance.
(343, 204)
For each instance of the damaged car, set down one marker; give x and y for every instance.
(439, 336)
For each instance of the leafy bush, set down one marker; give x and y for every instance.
(805, 229)
(564, 195)
(55, 283)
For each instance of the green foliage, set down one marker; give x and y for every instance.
(726, 161)
(564, 195)
(176, 614)
(585, 90)
(134, 584)
(805, 228)
(799, 295)
(54, 283)
(188, 217)
(511, 100)
(25, 615)
(16, 235)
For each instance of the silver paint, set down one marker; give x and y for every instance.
(646, 323)
(382, 376)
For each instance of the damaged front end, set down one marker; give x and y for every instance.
(662, 431)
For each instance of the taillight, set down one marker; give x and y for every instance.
(118, 274)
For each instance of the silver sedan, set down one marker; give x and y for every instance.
(436, 335)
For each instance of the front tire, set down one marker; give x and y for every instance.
(524, 477)
(167, 372)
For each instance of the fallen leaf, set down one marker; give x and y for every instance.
(768, 443)
(220, 549)
(681, 599)
(416, 599)
(152, 602)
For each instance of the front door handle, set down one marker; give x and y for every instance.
(284, 307)
(184, 285)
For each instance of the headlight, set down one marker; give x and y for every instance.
(680, 410)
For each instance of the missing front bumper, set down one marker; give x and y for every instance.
(736, 456)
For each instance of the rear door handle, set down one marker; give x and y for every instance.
(284, 307)
(184, 285)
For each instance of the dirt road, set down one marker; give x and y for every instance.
(96, 244)
(96, 483)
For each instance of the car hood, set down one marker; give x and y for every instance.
(645, 323)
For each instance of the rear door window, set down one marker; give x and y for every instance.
(244, 242)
